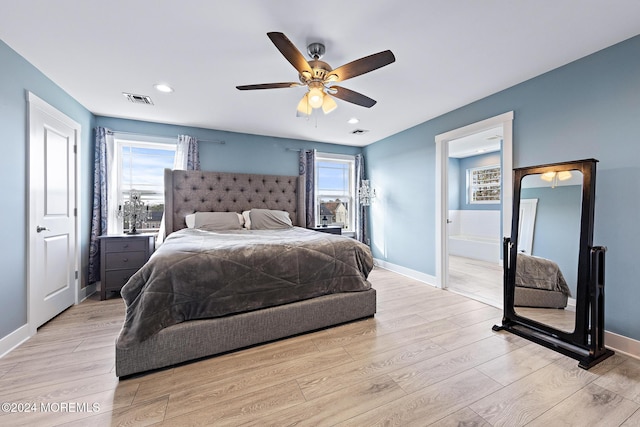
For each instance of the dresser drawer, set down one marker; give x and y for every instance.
(115, 279)
(120, 257)
(119, 260)
(125, 245)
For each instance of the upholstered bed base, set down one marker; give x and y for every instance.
(541, 298)
(187, 192)
(200, 338)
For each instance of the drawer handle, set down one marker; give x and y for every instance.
(126, 245)
(125, 259)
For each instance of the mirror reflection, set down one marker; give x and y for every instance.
(548, 248)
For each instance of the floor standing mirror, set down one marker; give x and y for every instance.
(550, 261)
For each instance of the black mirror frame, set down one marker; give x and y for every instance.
(586, 342)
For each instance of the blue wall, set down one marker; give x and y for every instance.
(17, 77)
(557, 228)
(240, 152)
(588, 108)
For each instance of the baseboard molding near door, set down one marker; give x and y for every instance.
(14, 339)
(87, 291)
(413, 274)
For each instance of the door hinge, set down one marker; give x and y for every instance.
(76, 274)
(75, 149)
(75, 211)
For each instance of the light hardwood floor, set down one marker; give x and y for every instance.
(428, 357)
(480, 280)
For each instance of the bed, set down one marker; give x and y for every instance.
(539, 283)
(199, 315)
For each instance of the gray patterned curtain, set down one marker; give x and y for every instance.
(361, 211)
(307, 168)
(100, 212)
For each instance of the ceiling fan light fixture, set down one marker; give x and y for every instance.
(316, 97)
(564, 175)
(548, 176)
(328, 105)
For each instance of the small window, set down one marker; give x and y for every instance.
(484, 184)
(140, 171)
(335, 190)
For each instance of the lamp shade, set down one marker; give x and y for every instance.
(304, 109)
(328, 105)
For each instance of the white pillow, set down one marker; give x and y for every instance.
(269, 219)
(214, 220)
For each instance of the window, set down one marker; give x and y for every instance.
(484, 184)
(140, 169)
(335, 190)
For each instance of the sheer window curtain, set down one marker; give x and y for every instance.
(361, 210)
(307, 164)
(102, 198)
(187, 158)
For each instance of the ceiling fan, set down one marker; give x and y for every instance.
(319, 77)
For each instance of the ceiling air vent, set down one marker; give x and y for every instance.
(359, 131)
(138, 99)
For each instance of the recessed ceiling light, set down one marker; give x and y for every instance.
(163, 88)
(481, 150)
(353, 120)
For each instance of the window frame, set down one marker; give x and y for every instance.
(119, 145)
(339, 159)
(472, 188)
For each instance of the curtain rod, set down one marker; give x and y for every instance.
(162, 136)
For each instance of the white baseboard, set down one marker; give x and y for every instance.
(87, 291)
(618, 343)
(413, 274)
(14, 339)
(622, 344)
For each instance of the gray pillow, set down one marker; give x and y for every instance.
(267, 219)
(212, 221)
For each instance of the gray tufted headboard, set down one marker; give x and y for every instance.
(186, 192)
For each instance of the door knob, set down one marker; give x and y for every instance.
(449, 221)
(41, 229)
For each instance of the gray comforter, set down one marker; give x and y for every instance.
(540, 273)
(199, 274)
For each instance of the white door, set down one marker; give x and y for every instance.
(526, 225)
(52, 283)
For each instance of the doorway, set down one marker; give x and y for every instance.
(502, 124)
(53, 255)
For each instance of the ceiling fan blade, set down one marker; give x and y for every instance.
(268, 86)
(290, 52)
(361, 66)
(352, 96)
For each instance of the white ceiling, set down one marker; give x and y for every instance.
(479, 143)
(448, 54)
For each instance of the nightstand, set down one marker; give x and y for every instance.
(120, 257)
(331, 229)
